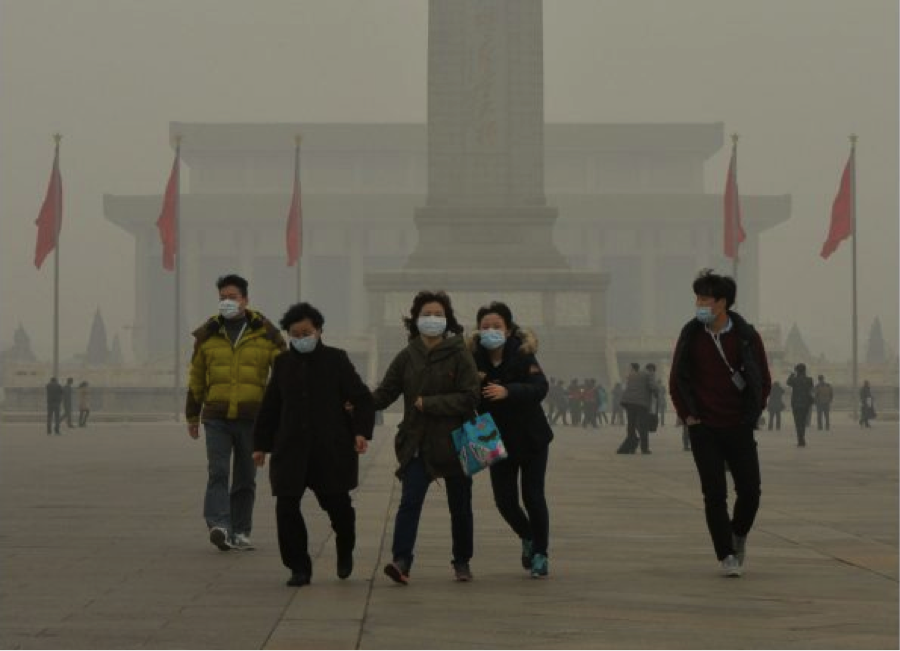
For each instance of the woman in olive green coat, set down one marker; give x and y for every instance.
(437, 377)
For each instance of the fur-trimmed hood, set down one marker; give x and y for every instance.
(528, 341)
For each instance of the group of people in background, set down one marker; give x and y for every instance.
(301, 404)
(59, 404)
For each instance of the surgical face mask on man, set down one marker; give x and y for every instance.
(229, 308)
(492, 339)
(431, 326)
(705, 315)
(304, 344)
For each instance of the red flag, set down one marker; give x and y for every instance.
(49, 221)
(841, 211)
(733, 231)
(168, 218)
(294, 234)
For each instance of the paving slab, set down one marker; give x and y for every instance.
(102, 545)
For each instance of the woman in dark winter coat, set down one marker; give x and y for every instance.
(513, 386)
(314, 441)
(436, 376)
(802, 399)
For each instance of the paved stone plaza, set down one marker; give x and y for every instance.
(103, 546)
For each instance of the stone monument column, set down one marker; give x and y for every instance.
(485, 231)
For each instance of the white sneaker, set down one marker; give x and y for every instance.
(731, 566)
(740, 548)
(241, 541)
(219, 537)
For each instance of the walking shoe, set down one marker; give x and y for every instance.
(527, 553)
(740, 547)
(298, 579)
(462, 572)
(539, 566)
(241, 541)
(344, 564)
(398, 572)
(219, 537)
(731, 566)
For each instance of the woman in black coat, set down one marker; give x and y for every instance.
(314, 441)
(513, 386)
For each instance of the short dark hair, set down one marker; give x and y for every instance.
(650, 367)
(233, 280)
(426, 296)
(708, 283)
(635, 366)
(500, 309)
(300, 311)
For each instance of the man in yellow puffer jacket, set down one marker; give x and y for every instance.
(233, 354)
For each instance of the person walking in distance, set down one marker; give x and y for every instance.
(719, 383)
(775, 405)
(801, 401)
(54, 402)
(616, 415)
(313, 440)
(637, 398)
(866, 405)
(824, 395)
(84, 403)
(67, 402)
(233, 354)
(437, 378)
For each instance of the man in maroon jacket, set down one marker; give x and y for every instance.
(719, 385)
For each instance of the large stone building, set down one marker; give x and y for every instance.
(630, 197)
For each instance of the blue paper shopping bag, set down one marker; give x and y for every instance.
(478, 444)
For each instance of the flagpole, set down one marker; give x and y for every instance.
(854, 396)
(58, 207)
(297, 189)
(178, 244)
(735, 208)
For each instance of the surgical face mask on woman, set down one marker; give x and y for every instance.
(431, 326)
(492, 339)
(304, 344)
(229, 308)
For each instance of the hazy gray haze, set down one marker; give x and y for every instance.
(793, 77)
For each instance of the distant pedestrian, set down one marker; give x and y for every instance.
(589, 403)
(54, 402)
(602, 404)
(802, 400)
(512, 387)
(573, 397)
(437, 378)
(824, 394)
(719, 383)
(661, 401)
(84, 403)
(775, 406)
(313, 440)
(67, 402)
(866, 405)
(616, 416)
(637, 399)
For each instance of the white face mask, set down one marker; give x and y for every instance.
(229, 308)
(431, 326)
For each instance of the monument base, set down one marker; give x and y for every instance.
(566, 309)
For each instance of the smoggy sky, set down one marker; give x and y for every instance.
(793, 77)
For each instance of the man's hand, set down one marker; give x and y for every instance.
(362, 444)
(419, 405)
(194, 430)
(259, 458)
(690, 420)
(494, 392)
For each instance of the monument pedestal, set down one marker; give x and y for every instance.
(564, 308)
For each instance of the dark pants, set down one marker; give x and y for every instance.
(801, 420)
(712, 449)
(292, 536)
(67, 413)
(532, 468)
(775, 419)
(406, 525)
(636, 429)
(53, 418)
(83, 417)
(823, 414)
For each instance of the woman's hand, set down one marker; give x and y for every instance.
(419, 405)
(259, 458)
(494, 392)
(362, 444)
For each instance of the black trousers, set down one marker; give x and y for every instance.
(636, 429)
(775, 420)
(531, 469)
(823, 414)
(53, 418)
(712, 448)
(801, 421)
(292, 535)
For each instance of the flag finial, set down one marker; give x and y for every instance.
(57, 137)
(853, 139)
(734, 139)
(177, 139)
(297, 139)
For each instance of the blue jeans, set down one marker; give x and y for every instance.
(406, 526)
(231, 510)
